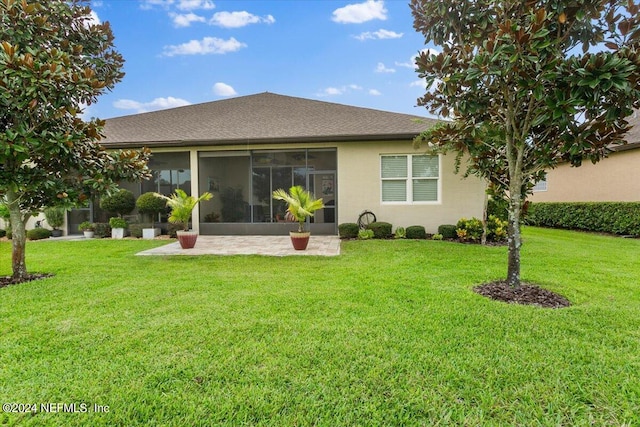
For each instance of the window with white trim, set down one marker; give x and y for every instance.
(410, 178)
(540, 186)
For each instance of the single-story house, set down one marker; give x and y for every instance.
(241, 149)
(613, 179)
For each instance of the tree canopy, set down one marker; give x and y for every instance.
(55, 60)
(527, 85)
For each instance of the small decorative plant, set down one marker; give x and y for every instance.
(301, 204)
(55, 217)
(401, 233)
(365, 234)
(120, 203)
(182, 206)
(116, 222)
(86, 226)
(150, 204)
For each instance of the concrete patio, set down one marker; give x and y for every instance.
(250, 245)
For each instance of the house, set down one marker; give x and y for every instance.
(241, 149)
(613, 179)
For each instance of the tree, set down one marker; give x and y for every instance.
(54, 59)
(527, 84)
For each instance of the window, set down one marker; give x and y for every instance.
(540, 186)
(410, 178)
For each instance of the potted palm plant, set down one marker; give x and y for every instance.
(182, 207)
(301, 205)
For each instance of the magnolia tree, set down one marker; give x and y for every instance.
(527, 85)
(55, 58)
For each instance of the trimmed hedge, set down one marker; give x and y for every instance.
(604, 217)
(38, 234)
(448, 231)
(381, 230)
(102, 229)
(136, 230)
(348, 230)
(416, 232)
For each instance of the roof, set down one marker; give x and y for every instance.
(260, 118)
(633, 136)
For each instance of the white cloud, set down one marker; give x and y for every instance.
(360, 12)
(195, 4)
(223, 89)
(381, 68)
(239, 19)
(336, 91)
(422, 83)
(156, 104)
(378, 35)
(412, 61)
(208, 45)
(185, 20)
(150, 4)
(374, 92)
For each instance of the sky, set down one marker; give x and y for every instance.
(181, 52)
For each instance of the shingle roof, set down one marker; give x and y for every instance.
(260, 118)
(633, 136)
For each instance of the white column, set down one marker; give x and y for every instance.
(195, 190)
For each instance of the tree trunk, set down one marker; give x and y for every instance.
(514, 240)
(19, 237)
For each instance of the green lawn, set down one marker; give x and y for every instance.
(389, 333)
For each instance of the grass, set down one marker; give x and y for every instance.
(389, 333)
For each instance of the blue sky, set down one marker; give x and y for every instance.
(181, 52)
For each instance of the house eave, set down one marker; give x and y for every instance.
(258, 141)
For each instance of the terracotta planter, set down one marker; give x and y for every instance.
(187, 239)
(299, 240)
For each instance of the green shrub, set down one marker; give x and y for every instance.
(348, 230)
(400, 233)
(469, 229)
(3, 233)
(381, 230)
(496, 229)
(38, 234)
(102, 229)
(416, 232)
(121, 203)
(55, 217)
(136, 230)
(605, 217)
(116, 222)
(365, 234)
(448, 231)
(436, 237)
(152, 205)
(87, 226)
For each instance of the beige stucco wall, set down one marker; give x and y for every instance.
(359, 189)
(614, 179)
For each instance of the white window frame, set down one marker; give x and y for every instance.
(409, 180)
(541, 186)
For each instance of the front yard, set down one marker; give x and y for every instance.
(389, 333)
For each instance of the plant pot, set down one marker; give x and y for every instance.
(150, 233)
(117, 233)
(88, 234)
(187, 239)
(56, 233)
(299, 240)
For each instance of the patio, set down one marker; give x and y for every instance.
(250, 245)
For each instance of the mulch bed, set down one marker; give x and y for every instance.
(8, 280)
(526, 294)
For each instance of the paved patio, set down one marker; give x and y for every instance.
(250, 245)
